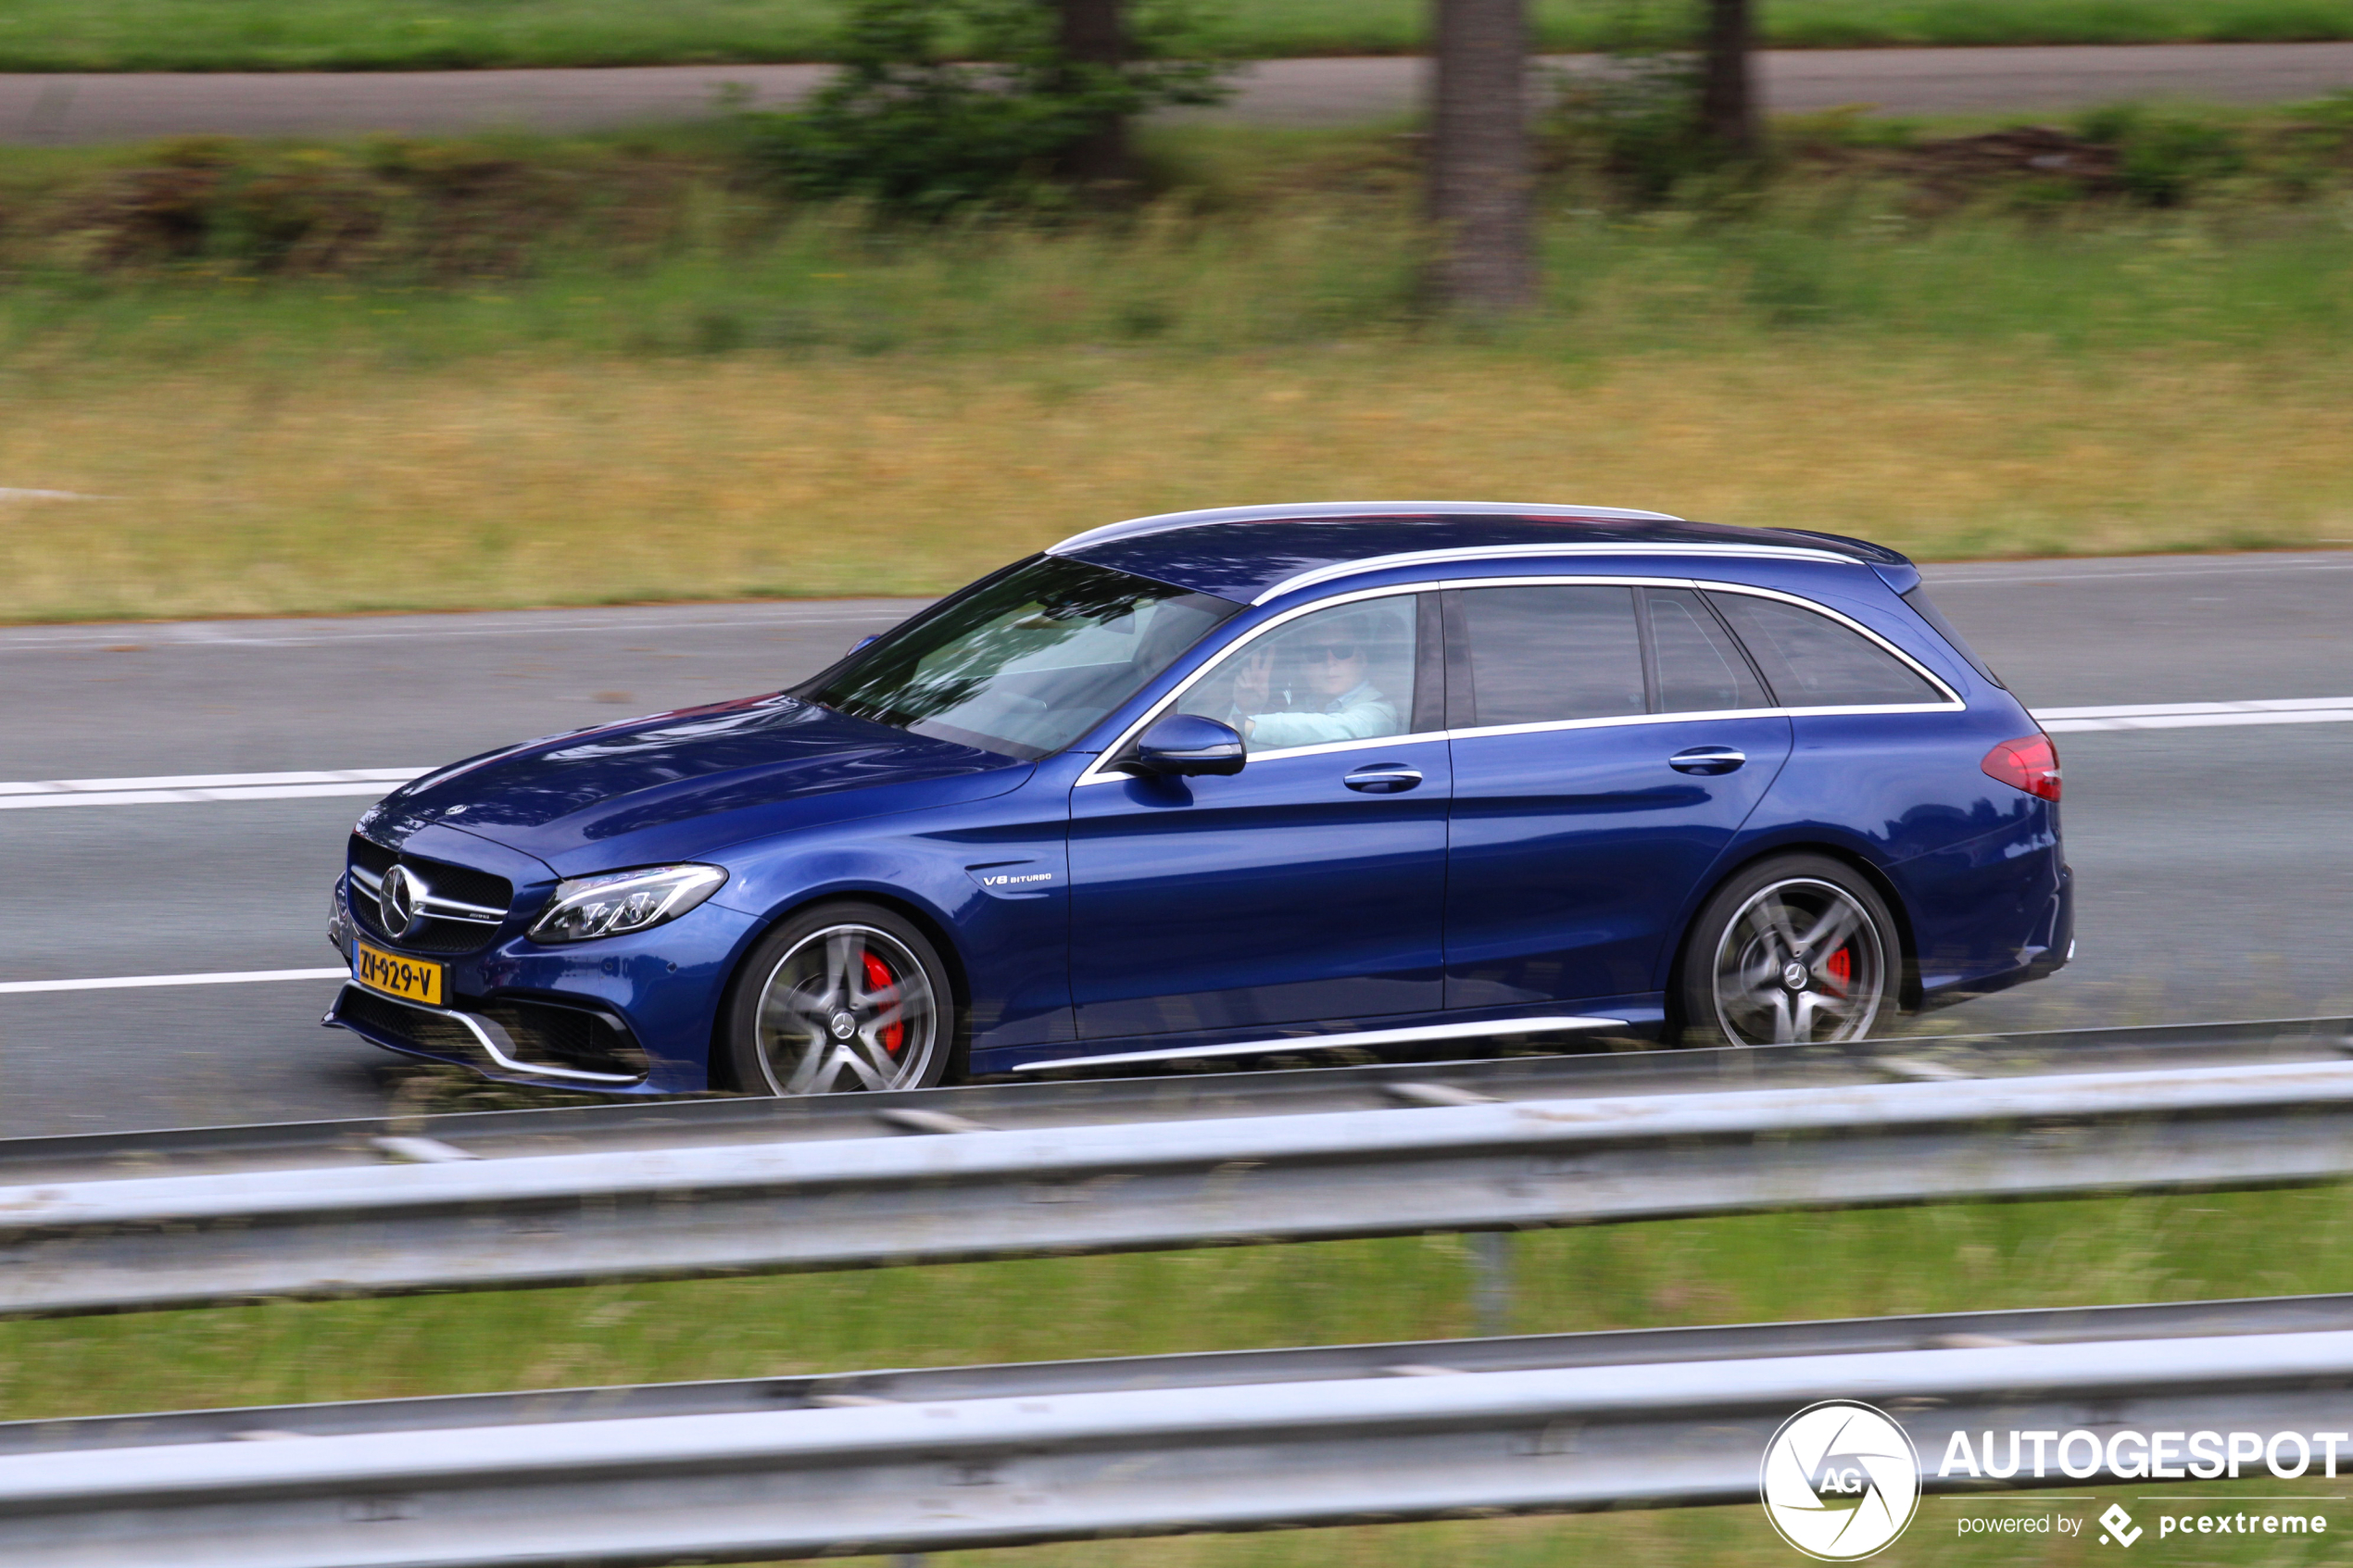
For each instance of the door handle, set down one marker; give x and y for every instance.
(1384, 777)
(1707, 760)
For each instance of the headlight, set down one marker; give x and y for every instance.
(623, 901)
(338, 920)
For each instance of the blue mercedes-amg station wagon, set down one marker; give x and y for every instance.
(1375, 777)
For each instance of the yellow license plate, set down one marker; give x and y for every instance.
(408, 978)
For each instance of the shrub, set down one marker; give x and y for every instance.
(2162, 159)
(1635, 121)
(940, 103)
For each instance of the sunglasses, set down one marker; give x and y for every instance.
(1339, 653)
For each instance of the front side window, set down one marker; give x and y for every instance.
(1812, 662)
(1025, 663)
(1340, 674)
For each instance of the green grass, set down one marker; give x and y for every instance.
(1752, 1268)
(426, 34)
(426, 252)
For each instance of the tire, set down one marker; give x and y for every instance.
(824, 1005)
(1796, 950)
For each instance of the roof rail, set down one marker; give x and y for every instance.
(1164, 521)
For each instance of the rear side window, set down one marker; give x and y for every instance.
(1812, 662)
(1701, 670)
(1541, 654)
(1917, 599)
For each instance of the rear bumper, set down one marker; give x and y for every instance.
(2051, 948)
(2058, 934)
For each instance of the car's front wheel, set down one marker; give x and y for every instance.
(1797, 949)
(842, 997)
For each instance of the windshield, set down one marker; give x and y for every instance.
(1024, 663)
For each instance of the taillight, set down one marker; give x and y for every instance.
(2031, 764)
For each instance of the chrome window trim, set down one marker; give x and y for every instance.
(1525, 552)
(1324, 512)
(1952, 698)
(1098, 773)
(1484, 731)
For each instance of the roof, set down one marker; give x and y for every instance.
(1252, 554)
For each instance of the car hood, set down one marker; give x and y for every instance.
(692, 779)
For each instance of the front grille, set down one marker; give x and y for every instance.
(446, 937)
(371, 856)
(414, 1027)
(464, 883)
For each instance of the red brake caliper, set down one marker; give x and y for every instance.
(1839, 966)
(878, 978)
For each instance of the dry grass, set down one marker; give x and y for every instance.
(521, 481)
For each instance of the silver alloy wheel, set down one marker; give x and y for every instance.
(848, 1008)
(1802, 961)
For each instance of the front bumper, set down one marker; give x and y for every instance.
(626, 1015)
(520, 1042)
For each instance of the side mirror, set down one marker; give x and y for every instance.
(863, 641)
(1187, 743)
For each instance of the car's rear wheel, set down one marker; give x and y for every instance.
(840, 998)
(1797, 949)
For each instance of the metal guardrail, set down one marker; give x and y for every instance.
(2271, 1104)
(1159, 1096)
(994, 1456)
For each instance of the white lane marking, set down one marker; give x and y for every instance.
(129, 982)
(2060, 572)
(215, 781)
(174, 790)
(2197, 715)
(201, 634)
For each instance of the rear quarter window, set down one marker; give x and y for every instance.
(1812, 662)
(1926, 609)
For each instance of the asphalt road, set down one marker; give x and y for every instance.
(2217, 863)
(54, 110)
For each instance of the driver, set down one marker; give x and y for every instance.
(1332, 698)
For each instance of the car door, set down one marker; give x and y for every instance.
(1610, 738)
(1307, 887)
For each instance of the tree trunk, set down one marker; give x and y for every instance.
(1479, 192)
(1726, 107)
(1093, 33)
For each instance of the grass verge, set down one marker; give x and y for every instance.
(422, 376)
(1750, 1269)
(535, 479)
(75, 35)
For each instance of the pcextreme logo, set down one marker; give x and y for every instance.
(1840, 1480)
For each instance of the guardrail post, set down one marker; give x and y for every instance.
(1491, 1256)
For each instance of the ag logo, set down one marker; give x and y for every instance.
(1840, 1480)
